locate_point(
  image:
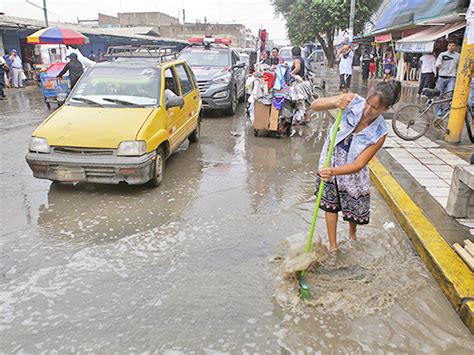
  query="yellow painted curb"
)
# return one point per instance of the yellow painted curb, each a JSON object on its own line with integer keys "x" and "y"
{"x": 449, "y": 271}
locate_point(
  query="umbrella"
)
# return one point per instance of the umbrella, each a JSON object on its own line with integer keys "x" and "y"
{"x": 56, "y": 35}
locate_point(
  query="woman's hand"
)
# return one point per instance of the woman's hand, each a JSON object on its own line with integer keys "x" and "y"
{"x": 326, "y": 174}
{"x": 342, "y": 101}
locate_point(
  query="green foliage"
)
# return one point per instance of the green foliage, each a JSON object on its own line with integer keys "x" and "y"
{"x": 307, "y": 20}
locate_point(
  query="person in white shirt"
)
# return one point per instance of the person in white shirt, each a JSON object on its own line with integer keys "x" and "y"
{"x": 17, "y": 69}
{"x": 447, "y": 64}
{"x": 428, "y": 72}
{"x": 345, "y": 56}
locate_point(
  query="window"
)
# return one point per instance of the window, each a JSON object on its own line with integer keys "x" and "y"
{"x": 170, "y": 81}
{"x": 184, "y": 80}
{"x": 235, "y": 58}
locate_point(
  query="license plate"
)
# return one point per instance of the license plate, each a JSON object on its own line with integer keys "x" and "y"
{"x": 70, "y": 174}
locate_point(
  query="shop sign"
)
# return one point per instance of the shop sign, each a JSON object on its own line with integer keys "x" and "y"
{"x": 415, "y": 47}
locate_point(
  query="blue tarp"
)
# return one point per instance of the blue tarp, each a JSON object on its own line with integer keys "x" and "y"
{"x": 406, "y": 12}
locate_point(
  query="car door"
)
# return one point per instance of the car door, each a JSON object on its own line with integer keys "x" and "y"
{"x": 239, "y": 73}
{"x": 191, "y": 99}
{"x": 174, "y": 114}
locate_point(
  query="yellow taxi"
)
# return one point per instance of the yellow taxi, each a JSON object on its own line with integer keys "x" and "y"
{"x": 120, "y": 123}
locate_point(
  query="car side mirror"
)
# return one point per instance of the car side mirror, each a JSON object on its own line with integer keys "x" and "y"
{"x": 175, "y": 101}
{"x": 239, "y": 66}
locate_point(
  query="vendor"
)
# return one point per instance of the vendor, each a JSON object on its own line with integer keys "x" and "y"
{"x": 275, "y": 58}
{"x": 75, "y": 69}
{"x": 361, "y": 134}
{"x": 298, "y": 63}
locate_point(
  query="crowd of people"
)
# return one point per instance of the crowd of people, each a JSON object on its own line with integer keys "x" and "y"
{"x": 428, "y": 69}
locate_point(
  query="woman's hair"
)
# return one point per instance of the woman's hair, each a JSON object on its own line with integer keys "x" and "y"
{"x": 296, "y": 51}
{"x": 387, "y": 91}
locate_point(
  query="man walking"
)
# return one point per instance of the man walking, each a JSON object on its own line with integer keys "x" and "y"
{"x": 428, "y": 72}
{"x": 345, "y": 56}
{"x": 447, "y": 64}
{"x": 3, "y": 64}
{"x": 17, "y": 69}
{"x": 75, "y": 68}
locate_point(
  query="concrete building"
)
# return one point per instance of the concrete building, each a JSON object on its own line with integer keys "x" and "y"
{"x": 132, "y": 19}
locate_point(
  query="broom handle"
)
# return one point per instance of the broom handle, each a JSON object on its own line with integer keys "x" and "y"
{"x": 321, "y": 184}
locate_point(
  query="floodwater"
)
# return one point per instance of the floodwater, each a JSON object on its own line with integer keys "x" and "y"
{"x": 189, "y": 267}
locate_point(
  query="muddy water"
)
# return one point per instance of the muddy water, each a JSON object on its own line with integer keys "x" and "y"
{"x": 187, "y": 267}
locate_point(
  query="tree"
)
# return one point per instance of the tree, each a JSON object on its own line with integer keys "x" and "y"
{"x": 307, "y": 20}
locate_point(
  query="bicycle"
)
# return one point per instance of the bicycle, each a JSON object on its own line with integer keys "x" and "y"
{"x": 411, "y": 122}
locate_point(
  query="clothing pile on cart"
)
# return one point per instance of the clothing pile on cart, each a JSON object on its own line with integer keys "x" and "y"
{"x": 275, "y": 86}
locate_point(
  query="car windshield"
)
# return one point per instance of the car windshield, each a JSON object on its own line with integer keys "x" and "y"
{"x": 206, "y": 57}
{"x": 116, "y": 86}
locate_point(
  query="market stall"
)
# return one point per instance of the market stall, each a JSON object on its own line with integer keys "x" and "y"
{"x": 277, "y": 99}
{"x": 55, "y": 89}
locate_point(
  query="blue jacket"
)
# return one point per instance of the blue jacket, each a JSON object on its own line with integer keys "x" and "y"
{"x": 363, "y": 139}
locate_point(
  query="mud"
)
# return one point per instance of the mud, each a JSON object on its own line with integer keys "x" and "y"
{"x": 186, "y": 268}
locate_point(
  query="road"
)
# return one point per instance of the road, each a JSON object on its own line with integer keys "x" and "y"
{"x": 187, "y": 267}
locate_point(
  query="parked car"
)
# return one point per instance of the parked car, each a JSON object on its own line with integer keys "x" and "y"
{"x": 120, "y": 123}
{"x": 219, "y": 70}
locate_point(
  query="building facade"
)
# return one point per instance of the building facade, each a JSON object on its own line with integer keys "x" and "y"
{"x": 132, "y": 19}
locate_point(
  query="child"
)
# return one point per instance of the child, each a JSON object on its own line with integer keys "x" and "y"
{"x": 361, "y": 134}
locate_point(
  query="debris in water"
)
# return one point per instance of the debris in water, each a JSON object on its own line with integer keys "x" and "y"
{"x": 388, "y": 225}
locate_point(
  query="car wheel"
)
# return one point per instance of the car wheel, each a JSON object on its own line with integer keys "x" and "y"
{"x": 159, "y": 168}
{"x": 194, "y": 137}
{"x": 233, "y": 103}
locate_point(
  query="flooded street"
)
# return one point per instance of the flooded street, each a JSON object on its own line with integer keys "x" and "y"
{"x": 187, "y": 267}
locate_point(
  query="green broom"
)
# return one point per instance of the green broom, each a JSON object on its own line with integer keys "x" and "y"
{"x": 305, "y": 291}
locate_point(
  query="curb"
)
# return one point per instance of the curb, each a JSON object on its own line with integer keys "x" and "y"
{"x": 449, "y": 271}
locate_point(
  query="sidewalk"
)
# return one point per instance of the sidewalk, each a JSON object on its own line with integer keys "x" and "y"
{"x": 415, "y": 177}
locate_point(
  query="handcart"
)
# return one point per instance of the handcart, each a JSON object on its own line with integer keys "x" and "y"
{"x": 55, "y": 90}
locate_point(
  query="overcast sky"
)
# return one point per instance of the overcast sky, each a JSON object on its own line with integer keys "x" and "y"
{"x": 253, "y": 14}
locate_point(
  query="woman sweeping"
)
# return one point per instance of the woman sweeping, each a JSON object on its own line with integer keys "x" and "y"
{"x": 361, "y": 134}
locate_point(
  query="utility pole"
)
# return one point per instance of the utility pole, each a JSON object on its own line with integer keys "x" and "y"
{"x": 42, "y": 8}
{"x": 351, "y": 20}
{"x": 45, "y": 14}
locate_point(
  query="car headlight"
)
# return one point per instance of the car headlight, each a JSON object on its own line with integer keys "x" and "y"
{"x": 223, "y": 79}
{"x": 131, "y": 148}
{"x": 39, "y": 145}
{"x": 221, "y": 94}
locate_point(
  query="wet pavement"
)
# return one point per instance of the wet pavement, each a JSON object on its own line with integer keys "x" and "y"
{"x": 187, "y": 267}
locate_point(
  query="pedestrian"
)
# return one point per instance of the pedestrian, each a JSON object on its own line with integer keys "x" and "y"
{"x": 428, "y": 72}
{"x": 415, "y": 62}
{"x": 361, "y": 134}
{"x": 388, "y": 63}
{"x": 372, "y": 66}
{"x": 92, "y": 56}
{"x": 17, "y": 69}
{"x": 298, "y": 63}
{"x": 406, "y": 66}
{"x": 3, "y": 65}
{"x": 365, "y": 64}
{"x": 345, "y": 56}
{"x": 447, "y": 64}
{"x": 75, "y": 69}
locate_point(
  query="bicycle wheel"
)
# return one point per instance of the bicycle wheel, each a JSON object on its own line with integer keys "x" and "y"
{"x": 469, "y": 124}
{"x": 410, "y": 122}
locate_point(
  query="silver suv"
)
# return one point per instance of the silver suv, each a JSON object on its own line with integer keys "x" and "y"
{"x": 220, "y": 74}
